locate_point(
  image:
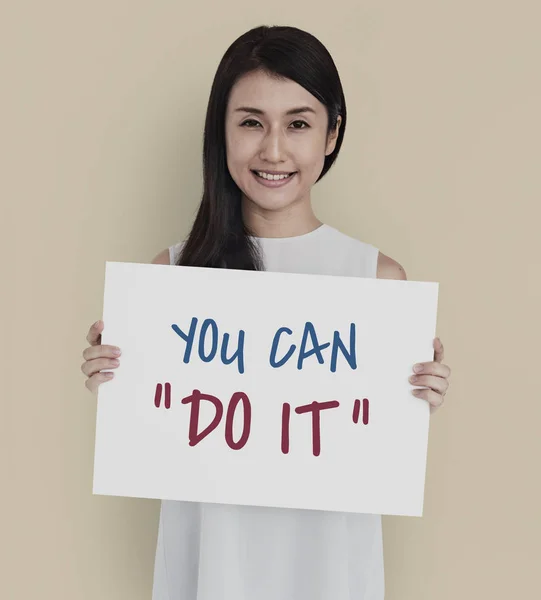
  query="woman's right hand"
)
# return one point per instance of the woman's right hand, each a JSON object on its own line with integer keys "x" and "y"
{"x": 98, "y": 357}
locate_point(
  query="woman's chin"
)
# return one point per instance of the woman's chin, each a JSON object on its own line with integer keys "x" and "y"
{"x": 271, "y": 201}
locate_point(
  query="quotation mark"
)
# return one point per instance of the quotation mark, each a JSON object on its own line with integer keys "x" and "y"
{"x": 357, "y": 410}
{"x": 158, "y": 395}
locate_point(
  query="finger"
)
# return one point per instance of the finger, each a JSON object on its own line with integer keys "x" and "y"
{"x": 90, "y": 367}
{"x": 101, "y": 351}
{"x": 92, "y": 383}
{"x": 433, "y": 368}
{"x": 94, "y": 333}
{"x": 438, "y": 350}
{"x": 433, "y": 398}
{"x": 438, "y": 384}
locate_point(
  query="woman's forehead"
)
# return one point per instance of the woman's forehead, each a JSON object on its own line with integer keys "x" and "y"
{"x": 270, "y": 95}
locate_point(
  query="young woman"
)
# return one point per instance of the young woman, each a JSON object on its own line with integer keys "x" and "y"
{"x": 274, "y": 126}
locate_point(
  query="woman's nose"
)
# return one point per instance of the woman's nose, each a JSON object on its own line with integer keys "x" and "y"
{"x": 272, "y": 147}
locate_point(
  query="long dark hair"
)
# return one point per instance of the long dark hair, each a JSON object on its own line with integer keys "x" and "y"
{"x": 219, "y": 236}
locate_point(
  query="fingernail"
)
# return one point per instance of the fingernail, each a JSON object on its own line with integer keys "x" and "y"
{"x": 97, "y": 323}
{"x": 117, "y": 351}
{"x": 418, "y": 368}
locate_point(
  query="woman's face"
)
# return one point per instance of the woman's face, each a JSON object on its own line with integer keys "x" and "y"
{"x": 265, "y": 137}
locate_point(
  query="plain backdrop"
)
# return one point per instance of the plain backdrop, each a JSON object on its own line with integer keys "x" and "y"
{"x": 102, "y": 110}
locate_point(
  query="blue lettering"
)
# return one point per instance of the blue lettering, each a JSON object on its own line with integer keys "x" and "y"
{"x": 275, "y": 342}
{"x": 202, "y": 337}
{"x": 187, "y": 338}
{"x": 316, "y": 348}
{"x": 337, "y": 343}
{"x": 239, "y": 354}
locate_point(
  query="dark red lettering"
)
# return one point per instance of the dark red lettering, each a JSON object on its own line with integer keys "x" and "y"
{"x": 235, "y": 399}
{"x": 365, "y": 411}
{"x": 286, "y": 412}
{"x": 195, "y": 400}
{"x": 158, "y": 395}
{"x": 315, "y": 408}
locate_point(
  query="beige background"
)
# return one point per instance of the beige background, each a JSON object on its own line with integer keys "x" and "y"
{"x": 102, "y": 112}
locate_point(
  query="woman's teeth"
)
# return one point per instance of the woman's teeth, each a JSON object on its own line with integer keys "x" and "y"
{"x": 272, "y": 177}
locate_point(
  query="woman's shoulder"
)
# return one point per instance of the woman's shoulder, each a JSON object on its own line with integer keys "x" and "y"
{"x": 162, "y": 258}
{"x": 389, "y": 268}
{"x": 168, "y": 256}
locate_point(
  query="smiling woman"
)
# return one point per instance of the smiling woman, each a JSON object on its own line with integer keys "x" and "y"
{"x": 274, "y": 127}
{"x": 283, "y": 145}
{"x": 276, "y": 107}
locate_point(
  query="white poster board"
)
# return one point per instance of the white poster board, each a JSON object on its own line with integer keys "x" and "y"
{"x": 264, "y": 388}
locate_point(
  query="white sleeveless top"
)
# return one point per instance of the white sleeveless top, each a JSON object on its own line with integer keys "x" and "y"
{"x": 231, "y": 552}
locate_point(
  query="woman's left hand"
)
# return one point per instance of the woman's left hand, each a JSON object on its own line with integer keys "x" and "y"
{"x": 434, "y": 375}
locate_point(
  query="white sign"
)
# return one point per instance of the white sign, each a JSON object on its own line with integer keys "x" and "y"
{"x": 264, "y": 388}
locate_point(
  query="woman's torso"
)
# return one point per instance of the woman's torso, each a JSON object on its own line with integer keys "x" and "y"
{"x": 234, "y": 552}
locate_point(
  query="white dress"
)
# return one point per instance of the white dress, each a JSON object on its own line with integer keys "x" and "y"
{"x": 231, "y": 552}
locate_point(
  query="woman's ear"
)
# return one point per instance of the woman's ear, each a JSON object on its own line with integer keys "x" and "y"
{"x": 332, "y": 137}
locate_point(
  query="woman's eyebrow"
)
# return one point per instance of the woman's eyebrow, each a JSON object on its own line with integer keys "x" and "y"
{"x": 258, "y": 111}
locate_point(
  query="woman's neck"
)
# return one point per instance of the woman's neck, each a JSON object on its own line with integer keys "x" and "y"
{"x": 289, "y": 222}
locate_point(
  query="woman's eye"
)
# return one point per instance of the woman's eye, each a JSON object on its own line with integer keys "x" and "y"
{"x": 257, "y": 123}
{"x": 248, "y": 121}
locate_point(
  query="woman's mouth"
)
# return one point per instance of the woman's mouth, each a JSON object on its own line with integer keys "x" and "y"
{"x": 273, "y": 183}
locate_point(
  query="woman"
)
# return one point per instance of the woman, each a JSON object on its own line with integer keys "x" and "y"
{"x": 274, "y": 126}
